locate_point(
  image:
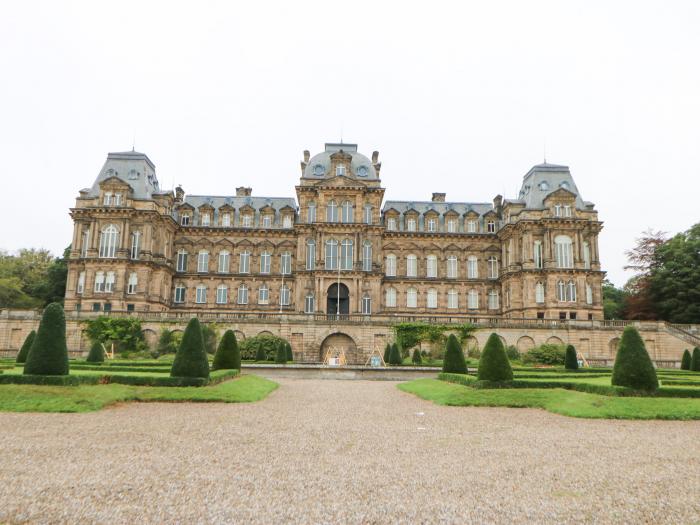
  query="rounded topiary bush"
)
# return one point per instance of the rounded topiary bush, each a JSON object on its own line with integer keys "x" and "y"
{"x": 695, "y": 360}
{"x": 417, "y": 359}
{"x": 261, "y": 354}
{"x": 686, "y": 360}
{"x": 281, "y": 354}
{"x": 96, "y": 354}
{"x": 454, "y": 362}
{"x": 228, "y": 356}
{"x": 633, "y": 367}
{"x": 395, "y": 355}
{"x": 494, "y": 364}
{"x": 290, "y": 354}
{"x": 570, "y": 359}
{"x": 387, "y": 351}
{"x": 48, "y": 354}
{"x": 191, "y": 358}
{"x": 24, "y": 351}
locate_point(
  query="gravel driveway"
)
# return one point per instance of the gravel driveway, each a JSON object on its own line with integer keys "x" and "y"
{"x": 344, "y": 451}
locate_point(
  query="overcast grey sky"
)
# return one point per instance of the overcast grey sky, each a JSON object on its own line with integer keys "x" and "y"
{"x": 459, "y": 97}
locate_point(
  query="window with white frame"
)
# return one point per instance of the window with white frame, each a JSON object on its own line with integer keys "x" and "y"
{"x": 185, "y": 219}
{"x": 85, "y": 243}
{"x": 391, "y": 224}
{"x": 561, "y": 291}
{"x": 563, "y": 250}
{"x": 432, "y": 224}
{"x": 539, "y": 293}
{"x": 537, "y": 254}
{"x": 340, "y": 170}
{"x": 589, "y": 294}
{"x": 247, "y": 220}
{"x": 265, "y": 262}
{"x": 110, "y": 279}
{"x": 567, "y": 210}
{"x": 117, "y": 199}
{"x": 493, "y": 300}
{"x": 586, "y": 255}
{"x": 571, "y": 291}
{"x": 491, "y": 226}
{"x": 221, "y": 294}
{"x": 431, "y": 266}
{"x": 366, "y": 304}
{"x": 242, "y": 294}
{"x": 472, "y": 226}
{"x": 224, "y": 261}
{"x": 179, "y": 293}
{"x": 286, "y": 263}
{"x": 557, "y": 210}
{"x": 332, "y": 212}
{"x": 347, "y": 211}
{"x": 493, "y": 267}
{"x": 132, "y": 283}
{"x": 452, "y": 268}
{"x": 244, "y": 262}
{"x": 451, "y": 225}
{"x": 203, "y": 261}
{"x": 311, "y": 213}
{"x": 226, "y": 220}
{"x": 107, "y": 198}
{"x": 284, "y": 295}
{"x": 205, "y": 219}
{"x": 472, "y": 267}
{"x": 309, "y": 304}
{"x": 432, "y": 298}
{"x": 452, "y": 299}
{"x": 310, "y": 254}
{"x": 331, "y": 254}
{"x": 473, "y": 300}
{"x": 411, "y": 266}
{"x": 346, "y": 256}
{"x": 390, "y": 297}
{"x": 368, "y": 214}
{"x": 287, "y": 221}
{"x": 367, "y": 256}
{"x": 267, "y": 221}
{"x": 200, "y": 294}
{"x": 80, "y": 288}
{"x": 135, "y": 245}
{"x": 411, "y": 298}
{"x": 108, "y": 242}
{"x": 181, "y": 261}
{"x": 263, "y": 294}
{"x": 411, "y": 224}
{"x": 391, "y": 265}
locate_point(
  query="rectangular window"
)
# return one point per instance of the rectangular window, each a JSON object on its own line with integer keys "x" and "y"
{"x": 310, "y": 255}
{"x": 243, "y": 295}
{"x": 491, "y": 227}
{"x": 431, "y": 267}
{"x": 493, "y": 268}
{"x": 284, "y": 296}
{"x": 95, "y": 307}
{"x": 286, "y": 263}
{"x": 311, "y": 213}
{"x": 265, "y": 262}
{"x": 244, "y": 263}
{"x": 205, "y": 219}
{"x": 567, "y": 211}
{"x": 411, "y": 298}
{"x": 539, "y": 293}
{"x": 366, "y": 305}
{"x": 346, "y": 255}
{"x": 452, "y": 267}
{"x": 452, "y": 299}
{"x": 391, "y": 224}
{"x": 107, "y": 200}
{"x": 267, "y": 221}
{"x": 471, "y": 226}
{"x": 537, "y": 254}
{"x": 309, "y": 306}
{"x": 367, "y": 257}
{"x": 185, "y": 220}
{"x": 226, "y": 220}
{"x": 472, "y": 268}
{"x": 179, "y": 294}
{"x": 201, "y": 296}
{"x": 263, "y": 295}
{"x": 432, "y": 225}
{"x": 432, "y": 299}
{"x": 331, "y": 255}
{"x": 224, "y": 262}
{"x": 287, "y": 221}
{"x": 203, "y": 262}
{"x": 411, "y": 266}
{"x": 181, "y": 261}
{"x": 493, "y": 300}
{"x": 451, "y": 226}
{"x": 391, "y": 297}
{"x": 133, "y": 282}
{"x": 109, "y": 282}
{"x": 368, "y": 214}
{"x": 586, "y": 255}
{"x": 473, "y": 300}
{"x": 135, "y": 242}
{"x": 411, "y": 225}
{"x": 247, "y": 221}
{"x": 129, "y": 307}
{"x": 81, "y": 283}
{"x": 85, "y": 245}
{"x": 391, "y": 266}
{"x": 108, "y": 307}
{"x": 117, "y": 199}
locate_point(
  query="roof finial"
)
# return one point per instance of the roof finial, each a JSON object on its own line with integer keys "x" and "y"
{"x": 341, "y": 131}
{"x": 133, "y": 143}
{"x": 544, "y": 150}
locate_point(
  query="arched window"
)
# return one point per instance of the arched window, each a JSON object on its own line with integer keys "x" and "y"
{"x": 310, "y": 254}
{"x": 331, "y": 254}
{"x": 539, "y": 293}
{"x": 346, "y": 254}
{"x": 221, "y": 294}
{"x": 544, "y": 186}
{"x": 348, "y": 215}
{"x": 108, "y": 242}
{"x": 491, "y": 227}
{"x": 133, "y": 282}
{"x": 265, "y": 262}
{"x": 493, "y": 267}
{"x": 309, "y": 304}
{"x": 286, "y": 263}
{"x": 472, "y": 267}
{"x": 452, "y": 269}
{"x": 263, "y": 294}
{"x": 224, "y": 261}
{"x": 411, "y": 266}
{"x": 332, "y": 212}
{"x": 473, "y": 300}
{"x": 201, "y": 295}
{"x": 589, "y": 294}
{"x": 432, "y": 298}
{"x": 284, "y": 295}
{"x": 85, "y": 243}
{"x": 391, "y": 265}
{"x": 571, "y": 291}
{"x": 243, "y": 294}
{"x": 452, "y": 299}
{"x": 203, "y": 261}
{"x": 366, "y": 304}
{"x": 561, "y": 291}
{"x": 537, "y": 254}
{"x": 411, "y": 298}
{"x": 179, "y": 293}
{"x": 367, "y": 256}
{"x": 181, "y": 261}
{"x": 563, "y": 251}
{"x": 311, "y": 212}
{"x": 368, "y": 214}
{"x": 493, "y": 300}
{"x": 135, "y": 245}
{"x": 390, "y": 297}
{"x": 244, "y": 262}
{"x": 431, "y": 266}
{"x": 586, "y": 255}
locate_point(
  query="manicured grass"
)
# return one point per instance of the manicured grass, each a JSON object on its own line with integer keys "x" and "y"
{"x": 559, "y": 401}
{"x": 35, "y": 398}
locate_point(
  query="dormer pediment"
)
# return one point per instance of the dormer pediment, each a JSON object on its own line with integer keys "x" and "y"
{"x": 246, "y": 209}
{"x": 185, "y": 206}
{"x": 561, "y": 194}
{"x": 115, "y": 182}
{"x": 471, "y": 214}
{"x": 340, "y": 181}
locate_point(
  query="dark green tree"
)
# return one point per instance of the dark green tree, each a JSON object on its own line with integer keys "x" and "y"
{"x": 633, "y": 367}
{"x": 686, "y": 360}
{"x": 261, "y": 354}
{"x": 281, "y": 355}
{"x": 387, "y": 351}
{"x": 227, "y": 356}
{"x": 48, "y": 354}
{"x": 209, "y": 337}
{"x": 24, "y": 351}
{"x": 96, "y": 354}
{"x": 494, "y": 364}
{"x": 395, "y": 355}
{"x": 613, "y": 301}
{"x": 695, "y": 360}
{"x": 290, "y": 354}
{"x": 417, "y": 359}
{"x": 454, "y": 362}
{"x": 570, "y": 360}
{"x": 167, "y": 342}
{"x": 191, "y": 358}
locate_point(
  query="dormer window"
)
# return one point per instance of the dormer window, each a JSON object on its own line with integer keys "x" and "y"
{"x": 432, "y": 225}
{"x": 557, "y": 210}
{"x": 267, "y": 221}
{"x": 206, "y": 219}
{"x": 226, "y": 220}
{"x": 117, "y": 199}
{"x": 564, "y": 185}
{"x": 567, "y": 211}
{"x": 185, "y": 220}
{"x": 362, "y": 171}
{"x": 471, "y": 226}
{"x": 491, "y": 226}
{"x": 451, "y": 226}
{"x": 391, "y": 224}
{"x": 107, "y": 199}
{"x": 544, "y": 186}
{"x": 287, "y": 221}
{"x": 319, "y": 170}
{"x": 339, "y": 170}
{"x": 247, "y": 221}
{"x": 411, "y": 225}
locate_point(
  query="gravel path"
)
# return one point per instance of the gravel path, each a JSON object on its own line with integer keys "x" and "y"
{"x": 344, "y": 451}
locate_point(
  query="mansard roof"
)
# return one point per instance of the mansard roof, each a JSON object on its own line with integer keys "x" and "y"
{"x": 132, "y": 167}
{"x": 440, "y": 207}
{"x": 319, "y": 166}
{"x": 544, "y": 179}
{"x": 217, "y": 201}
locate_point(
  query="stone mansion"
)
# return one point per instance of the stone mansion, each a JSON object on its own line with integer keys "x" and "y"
{"x": 339, "y": 248}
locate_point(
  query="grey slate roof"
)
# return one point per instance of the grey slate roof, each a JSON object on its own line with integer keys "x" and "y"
{"x": 440, "y": 207}
{"x": 324, "y": 160}
{"x": 217, "y": 201}
{"x": 533, "y": 192}
{"x": 132, "y": 167}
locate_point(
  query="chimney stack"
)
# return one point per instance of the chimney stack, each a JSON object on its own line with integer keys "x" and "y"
{"x": 179, "y": 194}
{"x": 242, "y": 191}
{"x": 307, "y": 156}
{"x": 439, "y": 197}
{"x": 375, "y": 157}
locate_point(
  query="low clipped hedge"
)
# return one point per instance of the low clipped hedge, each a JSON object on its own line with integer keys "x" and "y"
{"x": 215, "y": 377}
{"x": 164, "y": 369}
{"x": 460, "y": 379}
{"x": 30, "y": 379}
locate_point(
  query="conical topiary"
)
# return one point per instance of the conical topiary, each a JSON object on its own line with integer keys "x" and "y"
{"x": 633, "y": 367}
{"x": 290, "y": 355}
{"x": 454, "y": 362}
{"x": 96, "y": 354}
{"x": 228, "y": 356}
{"x": 695, "y": 360}
{"x": 387, "y": 351}
{"x": 395, "y": 355}
{"x": 24, "y": 351}
{"x": 685, "y": 360}
{"x": 281, "y": 355}
{"x": 494, "y": 364}
{"x": 570, "y": 359}
{"x": 191, "y": 357}
{"x": 48, "y": 354}
{"x": 416, "y": 358}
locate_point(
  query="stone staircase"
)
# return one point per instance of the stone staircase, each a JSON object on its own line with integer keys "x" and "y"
{"x": 681, "y": 332}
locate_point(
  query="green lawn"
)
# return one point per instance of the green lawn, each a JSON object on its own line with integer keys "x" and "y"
{"x": 35, "y": 398}
{"x": 559, "y": 401}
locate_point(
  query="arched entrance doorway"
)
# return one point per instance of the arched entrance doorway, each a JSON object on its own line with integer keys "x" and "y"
{"x": 344, "y": 342}
{"x": 338, "y": 299}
